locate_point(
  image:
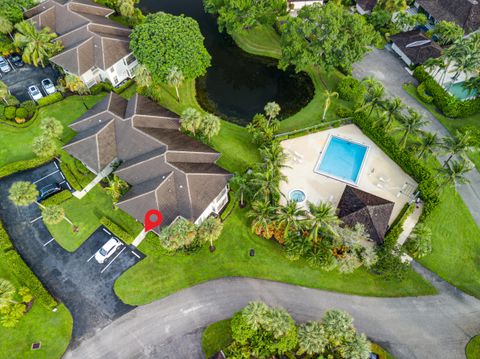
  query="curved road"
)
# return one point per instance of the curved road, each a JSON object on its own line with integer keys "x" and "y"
{"x": 415, "y": 327}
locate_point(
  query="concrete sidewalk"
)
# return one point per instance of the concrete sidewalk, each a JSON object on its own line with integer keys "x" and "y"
{"x": 100, "y": 176}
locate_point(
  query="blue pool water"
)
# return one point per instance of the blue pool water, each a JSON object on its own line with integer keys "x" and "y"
{"x": 460, "y": 91}
{"x": 297, "y": 195}
{"x": 342, "y": 159}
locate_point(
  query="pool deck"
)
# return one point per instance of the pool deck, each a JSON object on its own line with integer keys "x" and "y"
{"x": 379, "y": 174}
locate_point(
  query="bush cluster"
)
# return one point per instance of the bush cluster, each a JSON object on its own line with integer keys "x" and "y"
{"x": 57, "y": 198}
{"x": 13, "y": 167}
{"x": 350, "y": 89}
{"x": 10, "y": 257}
{"x": 116, "y": 230}
{"x": 48, "y": 100}
{"x": 69, "y": 176}
{"x": 26, "y": 110}
{"x": 10, "y": 112}
{"x": 427, "y": 185}
{"x": 448, "y": 104}
{"x": 107, "y": 87}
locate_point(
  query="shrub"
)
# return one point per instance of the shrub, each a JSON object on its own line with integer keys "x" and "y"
{"x": 2, "y": 112}
{"x": 422, "y": 94}
{"x": 21, "y": 113}
{"x": 117, "y": 230}
{"x": 343, "y": 112}
{"x": 420, "y": 241}
{"x": 70, "y": 177}
{"x": 397, "y": 227}
{"x": 57, "y": 198}
{"x": 48, "y": 100}
{"x": 350, "y": 89}
{"x": 22, "y": 165}
{"x": 10, "y": 112}
{"x": 30, "y": 107}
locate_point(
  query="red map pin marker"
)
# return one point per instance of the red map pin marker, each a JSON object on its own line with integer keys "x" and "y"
{"x": 153, "y": 218}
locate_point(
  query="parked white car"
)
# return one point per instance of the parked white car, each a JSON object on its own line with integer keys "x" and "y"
{"x": 4, "y": 66}
{"x": 34, "y": 93}
{"x": 48, "y": 86}
{"x": 107, "y": 250}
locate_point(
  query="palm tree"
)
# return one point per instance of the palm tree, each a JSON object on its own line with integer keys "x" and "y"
{"x": 210, "y": 230}
{"x": 54, "y": 215}
{"x": 322, "y": 220}
{"x": 262, "y": 213}
{"x": 175, "y": 78}
{"x": 329, "y": 95}
{"x": 75, "y": 84}
{"x": 241, "y": 184}
{"x": 272, "y": 110}
{"x": 50, "y": 126}
{"x": 23, "y": 193}
{"x": 374, "y": 94}
{"x": 4, "y": 93}
{"x": 279, "y": 322}
{"x": 37, "y": 45}
{"x": 191, "y": 120}
{"x": 429, "y": 143}
{"x": 311, "y": 338}
{"x": 143, "y": 78}
{"x": 44, "y": 146}
{"x": 461, "y": 143}
{"x": 115, "y": 187}
{"x": 210, "y": 126}
{"x": 473, "y": 85}
{"x": 393, "y": 107}
{"x": 267, "y": 184}
{"x": 289, "y": 216}
{"x": 274, "y": 156}
{"x": 6, "y": 26}
{"x": 410, "y": 125}
{"x": 454, "y": 173}
{"x": 7, "y": 293}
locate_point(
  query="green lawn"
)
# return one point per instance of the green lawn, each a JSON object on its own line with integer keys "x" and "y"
{"x": 161, "y": 274}
{"x": 216, "y": 337}
{"x": 473, "y": 348}
{"x": 16, "y": 141}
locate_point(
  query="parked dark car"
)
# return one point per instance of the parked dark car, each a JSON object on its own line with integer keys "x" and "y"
{"x": 16, "y": 59}
{"x": 49, "y": 190}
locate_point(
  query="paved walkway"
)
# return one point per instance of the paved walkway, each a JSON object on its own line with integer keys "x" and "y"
{"x": 139, "y": 238}
{"x": 388, "y": 69}
{"x": 410, "y": 223}
{"x": 413, "y": 327}
{"x": 100, "y": 176}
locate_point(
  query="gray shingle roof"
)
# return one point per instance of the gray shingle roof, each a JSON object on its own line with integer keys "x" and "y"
{"x": 418, "y": 47}
{"x": 466, "y": 13}
{"x": 167, "y": 169}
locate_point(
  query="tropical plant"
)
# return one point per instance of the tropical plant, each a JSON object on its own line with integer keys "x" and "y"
{"x": 10, "y": 309}
{"x": 311, "y": 338}
{"x": 23, "y": 193}
{"x": 210, "y": 230}
{"x": 75, "y": 84}
{"x": 329, "y": 95}
{"x": 142, "y": 76}
{"x": 274, "y": 157}
{"x": 125, "y": 7}
{"x": 44, "y": 146}
{"x": 175, "y": 78}
{"x": 191, "y": 120}
{"x": 37, "y": 45}
{"x": 289, "y": 216}
{"x": 461, "y": 143}
{"x": 50, "y": 126}
{"x": 266, "y": 183}
{"x": 447, "y": 32}
{"x": 454, "y": 173}
{"x": 242, "y": 189}
{"x": 391, "y": 5}
{"x": 322, "y": 220}
{"x": 116, "y": 187}
{"x": 4, "y": 93}
{"x": 410, "y": 124}
{"x": 473, "y": 85}
{"x": 210, "y": 126}
{"x": 419, "y": 243}
{"x": 262, "y": 129}
{"x": 272, "y": 110}
{"x": 6, "y": 26}
{"x": 262, "y": 213}
{"x": 429, "y": 144}
{"x": 404, "y": 21}
{"x": 393, "y": 108}
{"x": 7, "y": 292}
{"x": 373, "y": 95}
{"x": 179, "y": 235}
{"x": 53, "y": 214}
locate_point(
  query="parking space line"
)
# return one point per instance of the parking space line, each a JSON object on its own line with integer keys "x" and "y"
{"x": 61, "y": 174}
{"x": 68, "y": 184}
{"x": 113, "y": 260}
{"x": 106, "y": 231}
{"x": 55, "y": 163}
{"x": 51, "y": 174}
{"x": 135, "y": 254}
{"x": 93, "y": 255}
{"x": 36, "y": 219}
{"x": 48, "y": 242}
{"x": 63, "y": 182}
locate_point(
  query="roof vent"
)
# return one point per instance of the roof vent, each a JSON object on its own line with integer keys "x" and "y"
{"x": 418, "y": 43}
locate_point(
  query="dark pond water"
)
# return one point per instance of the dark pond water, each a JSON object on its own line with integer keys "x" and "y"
{"x": 237, "y": 85}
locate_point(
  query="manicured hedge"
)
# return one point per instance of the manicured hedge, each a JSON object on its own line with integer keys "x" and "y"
{"x": 350, "y": 89}
{"x": 9, "y": 112}
{"x": 22, "y": 165}
{"x": 17, "y": 266}
{"x": 397, "y": 227}
{"x": 448, "y": 104}
{"x": 30, "y": 106}
{"x": 21, "y": 113}
{"x": 427, "y": 185}
{"x": 70, "y": 177}
{"x": 422, "y": 93}
{"x": 48, "y": 100}
{"x": 107, "y": 87}
{"x": 117, "y": 230}
{"x": 58, "y": 198}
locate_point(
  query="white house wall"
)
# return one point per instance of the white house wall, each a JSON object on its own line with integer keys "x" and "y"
{"x": 299, "y": 4}
{"x": 401, "y": 54}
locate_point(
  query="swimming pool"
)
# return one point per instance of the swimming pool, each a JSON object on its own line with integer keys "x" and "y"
{"x": 342, "y": 159}
{"x": 460, "y": 91}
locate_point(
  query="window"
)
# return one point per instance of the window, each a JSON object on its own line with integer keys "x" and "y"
{"x": 115, "y": 80}
{"x": 112, "y": 69}
{"x": 130, "y": 59}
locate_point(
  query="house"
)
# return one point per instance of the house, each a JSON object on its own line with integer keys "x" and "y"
{"x": 465, "y": 13}
{"x": 95, "y": 48}
{"x": 298, "y": 4}
{"x": 373, "y": 212}
{"x": 365, "y": 6}
{"x": 167, "y": 170}
{"x": 414, "y": 48}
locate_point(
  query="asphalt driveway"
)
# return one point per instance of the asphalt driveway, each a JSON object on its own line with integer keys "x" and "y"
{"x": 85, "y": 286}
{"x": 19, "y": 78}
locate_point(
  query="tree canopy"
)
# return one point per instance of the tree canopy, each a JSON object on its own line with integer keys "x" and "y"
{"x": 13, "y": 9}
{"x": 327, "y": 36}
{"x": 164, "y": 41}
{"x": 238, "y": 15}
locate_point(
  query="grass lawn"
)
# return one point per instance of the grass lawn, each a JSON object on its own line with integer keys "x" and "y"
{"x": 216, "y": 337}
{"x": 161, "y": 274}
{"x": 40, "y": 324}
{"x": 472, "y": 350}
{"x": 86, "y": 214}
{"x": 16, "y": 141}
{"x": 451, "y": 124}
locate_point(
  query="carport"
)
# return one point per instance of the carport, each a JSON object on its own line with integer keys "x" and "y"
{"x": 85, "y": 286}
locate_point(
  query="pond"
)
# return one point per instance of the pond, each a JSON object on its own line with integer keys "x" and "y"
{"x": 237, "y": 85}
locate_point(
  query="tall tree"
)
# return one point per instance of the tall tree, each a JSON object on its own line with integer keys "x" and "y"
{"x": 322, "y": 220}
{"x": 142, "y": 76}
{"x": 4, "y": 93}
{"x": 191, "y": 120}
{"x": 429, "y": 144}
{"x": 453, "y": 173}
{"x": 274, "y": 157}
{"x": 210, "y": 126}
{"x": 459, "y": 144}
{"x": 115, "y": 187}
{"x": 262, "y": 213}
{"x": 267, "y": 183}
{"x": 329, "y": 95}
{"x": 241, "y": 187}
{"x": 50, "y": 126}
{"x": 44, "y": 146}
{"x": 53, "y": 214}
{"x": 37, "y": 45}
{"x": 373, "y": 96}
{"x": 239, "y": 15}
{"x": 175, "y": 78}
{"x": 272, "y": 110}
{"x": 317, "y": 37}
{"x": 6, "y": 26}
{"x": 447, "y": 32}
{"x": 23, "y": 193}
{"x": 210, "y": 230}
{"x": 179, "y": 235}
{"x": 420, "y": 241}
{"x": 289, "y": 216}
{"x": 164, "y": 41}
{"x": 411, "y": 124}
{"x": 393, "y": 107}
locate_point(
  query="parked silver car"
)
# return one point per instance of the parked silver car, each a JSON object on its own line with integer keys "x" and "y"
{"x": 4, "y": 66}
{"x": 48, "y": 86}
{"x": 107, "y": 250}
{"x": 34, "y": 93}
